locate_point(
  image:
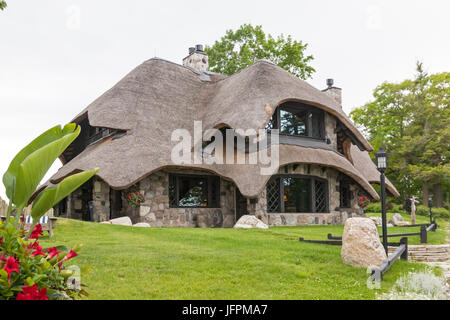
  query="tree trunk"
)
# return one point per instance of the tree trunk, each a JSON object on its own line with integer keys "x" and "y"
{"x": 438, "y": 196}
{"x": 425, "y": 194}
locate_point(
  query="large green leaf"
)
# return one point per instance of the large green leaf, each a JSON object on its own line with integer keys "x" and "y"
{"x": 48, "y": 198}
{"x": 31, "y": 164}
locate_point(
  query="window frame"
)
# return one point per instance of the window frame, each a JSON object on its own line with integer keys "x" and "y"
{"x": 345, "y": 184}
{"x": 275, "y": 121}
{"x": 312, "y": 192}
{"x": 210, "y": 180}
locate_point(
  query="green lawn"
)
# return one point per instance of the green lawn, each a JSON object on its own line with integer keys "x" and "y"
{"x": 437, "y": 237}
{"x": 183, "y": 263}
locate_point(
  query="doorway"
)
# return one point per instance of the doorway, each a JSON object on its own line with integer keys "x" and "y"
{"x": 115, "y": 198}
{"x": 241, "y": 205}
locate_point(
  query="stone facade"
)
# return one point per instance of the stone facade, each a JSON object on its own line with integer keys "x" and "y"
{"x": 330, "y": 125}
{"x": 100, "y": 192}
{"x": 336, "y": 216}
{"x": 157, "y": 212}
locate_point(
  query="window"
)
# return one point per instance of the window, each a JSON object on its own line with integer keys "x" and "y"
{"x": 97, "y": 133}
{"x": 344, "y": 194}
{"x": 295, "y": 119}
{"x": 295, "y": 193}
{"x": 194, "y": 191}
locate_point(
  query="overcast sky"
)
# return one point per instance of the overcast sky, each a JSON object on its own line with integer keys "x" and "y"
{"x": 57, "y": 56}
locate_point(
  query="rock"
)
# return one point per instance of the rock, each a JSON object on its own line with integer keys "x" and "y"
{"x": 105, "y": 222}
{"x": 123, "y": 221}
{"x": 202, "y": 221}
{"x": 248, "y": 221}
{"x": 389, "y": 225}
{"x": 397, "y": 220}
{"x": 144, "y": 210}
{"x": 361, "y": 246}
{"x": 142, "y": 225}
{"x": 377, "y": 220}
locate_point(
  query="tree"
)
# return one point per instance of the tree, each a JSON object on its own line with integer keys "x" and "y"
{"x": 411, "y": 120}
{"x": 2, "y": 4}
{"x": 241, "y": 48}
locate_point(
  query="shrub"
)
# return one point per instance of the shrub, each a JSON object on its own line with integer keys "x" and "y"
{"x": 27, "y": 271}
{"x": 437, "y": 212}
{"x": 417, "y": 286}
{"x": 375, "y": 207}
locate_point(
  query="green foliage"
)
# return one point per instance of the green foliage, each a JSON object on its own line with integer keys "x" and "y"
{"x": 375, "y": 207}
{"x": 43, "y": 270}
{"x": 31, "y": 164}
{"x": 241, "y": 48}
{"x": 436, "y": 212}
{"x": 411, "y": 120}
{"x": 2, "y": 4}
{"x": 36, "y": 273}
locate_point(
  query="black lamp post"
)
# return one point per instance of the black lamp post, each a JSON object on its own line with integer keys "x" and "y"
{"x": 382, "y": 166}
{"x": 430, "y": 204}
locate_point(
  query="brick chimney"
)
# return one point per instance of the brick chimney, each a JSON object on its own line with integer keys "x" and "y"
{"x": 334, "y": 92}
{"x": 197, "y": 59}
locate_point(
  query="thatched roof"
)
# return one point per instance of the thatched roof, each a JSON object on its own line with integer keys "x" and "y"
{"x": 158, "y": 97}
{"x": 365, "y": 165}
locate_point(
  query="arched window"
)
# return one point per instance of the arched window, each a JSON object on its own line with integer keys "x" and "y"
{"x": 297, "y": 119}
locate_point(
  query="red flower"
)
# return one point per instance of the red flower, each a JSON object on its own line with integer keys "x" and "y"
{"x": 33, "y": 246}
{"x": 52, "y": 252}
{"x": 37, "y": 231}
{"x": 70, "y": 255}
{"x": 129, "y": 196}
{"x": 32, "y": 293}
{"x": 11, "y": 265}
{"x": 38, "y": 251}
{"x": 2, "y": 258}
{"x": 1, "y": 241}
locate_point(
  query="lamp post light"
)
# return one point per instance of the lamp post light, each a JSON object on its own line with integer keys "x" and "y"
{"x": 382, "y": 166}
{"x": 430, "y": 204}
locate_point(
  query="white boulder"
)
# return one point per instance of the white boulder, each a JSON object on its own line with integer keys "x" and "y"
{"x": 123, "y": 221}
{"x": 142, "y": 225}
{"x": 376, "y": 220}
{"x": 248, "y": 221}
{"x": 361, "y": 246}
{"x": 397, "y": 220}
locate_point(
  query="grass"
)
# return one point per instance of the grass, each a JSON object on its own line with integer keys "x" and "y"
{"x": 183, "y": 263}
{"x": 437, "y": 237}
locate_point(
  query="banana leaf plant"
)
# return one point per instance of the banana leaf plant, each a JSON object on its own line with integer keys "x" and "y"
{"x": 31, "y": 164}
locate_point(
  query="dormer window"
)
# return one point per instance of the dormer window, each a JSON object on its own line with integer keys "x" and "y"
{"x": 300, "y": 120}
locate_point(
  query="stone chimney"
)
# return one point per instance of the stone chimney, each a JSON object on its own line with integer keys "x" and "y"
{"x": 197, "y": 59}
{"x": 334, "y": 92}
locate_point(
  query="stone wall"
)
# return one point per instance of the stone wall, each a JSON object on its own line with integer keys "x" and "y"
{"x": 336, "y": 216}
{"x": 96, "y": 191}
{"x": 330, "y": 125}
{"x": 157, "y": 212}
{"x": 3, "y": 207}
{"x": 100, "y": 196}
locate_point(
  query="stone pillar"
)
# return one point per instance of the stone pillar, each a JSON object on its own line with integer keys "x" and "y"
{"x": 100, "y": 195}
